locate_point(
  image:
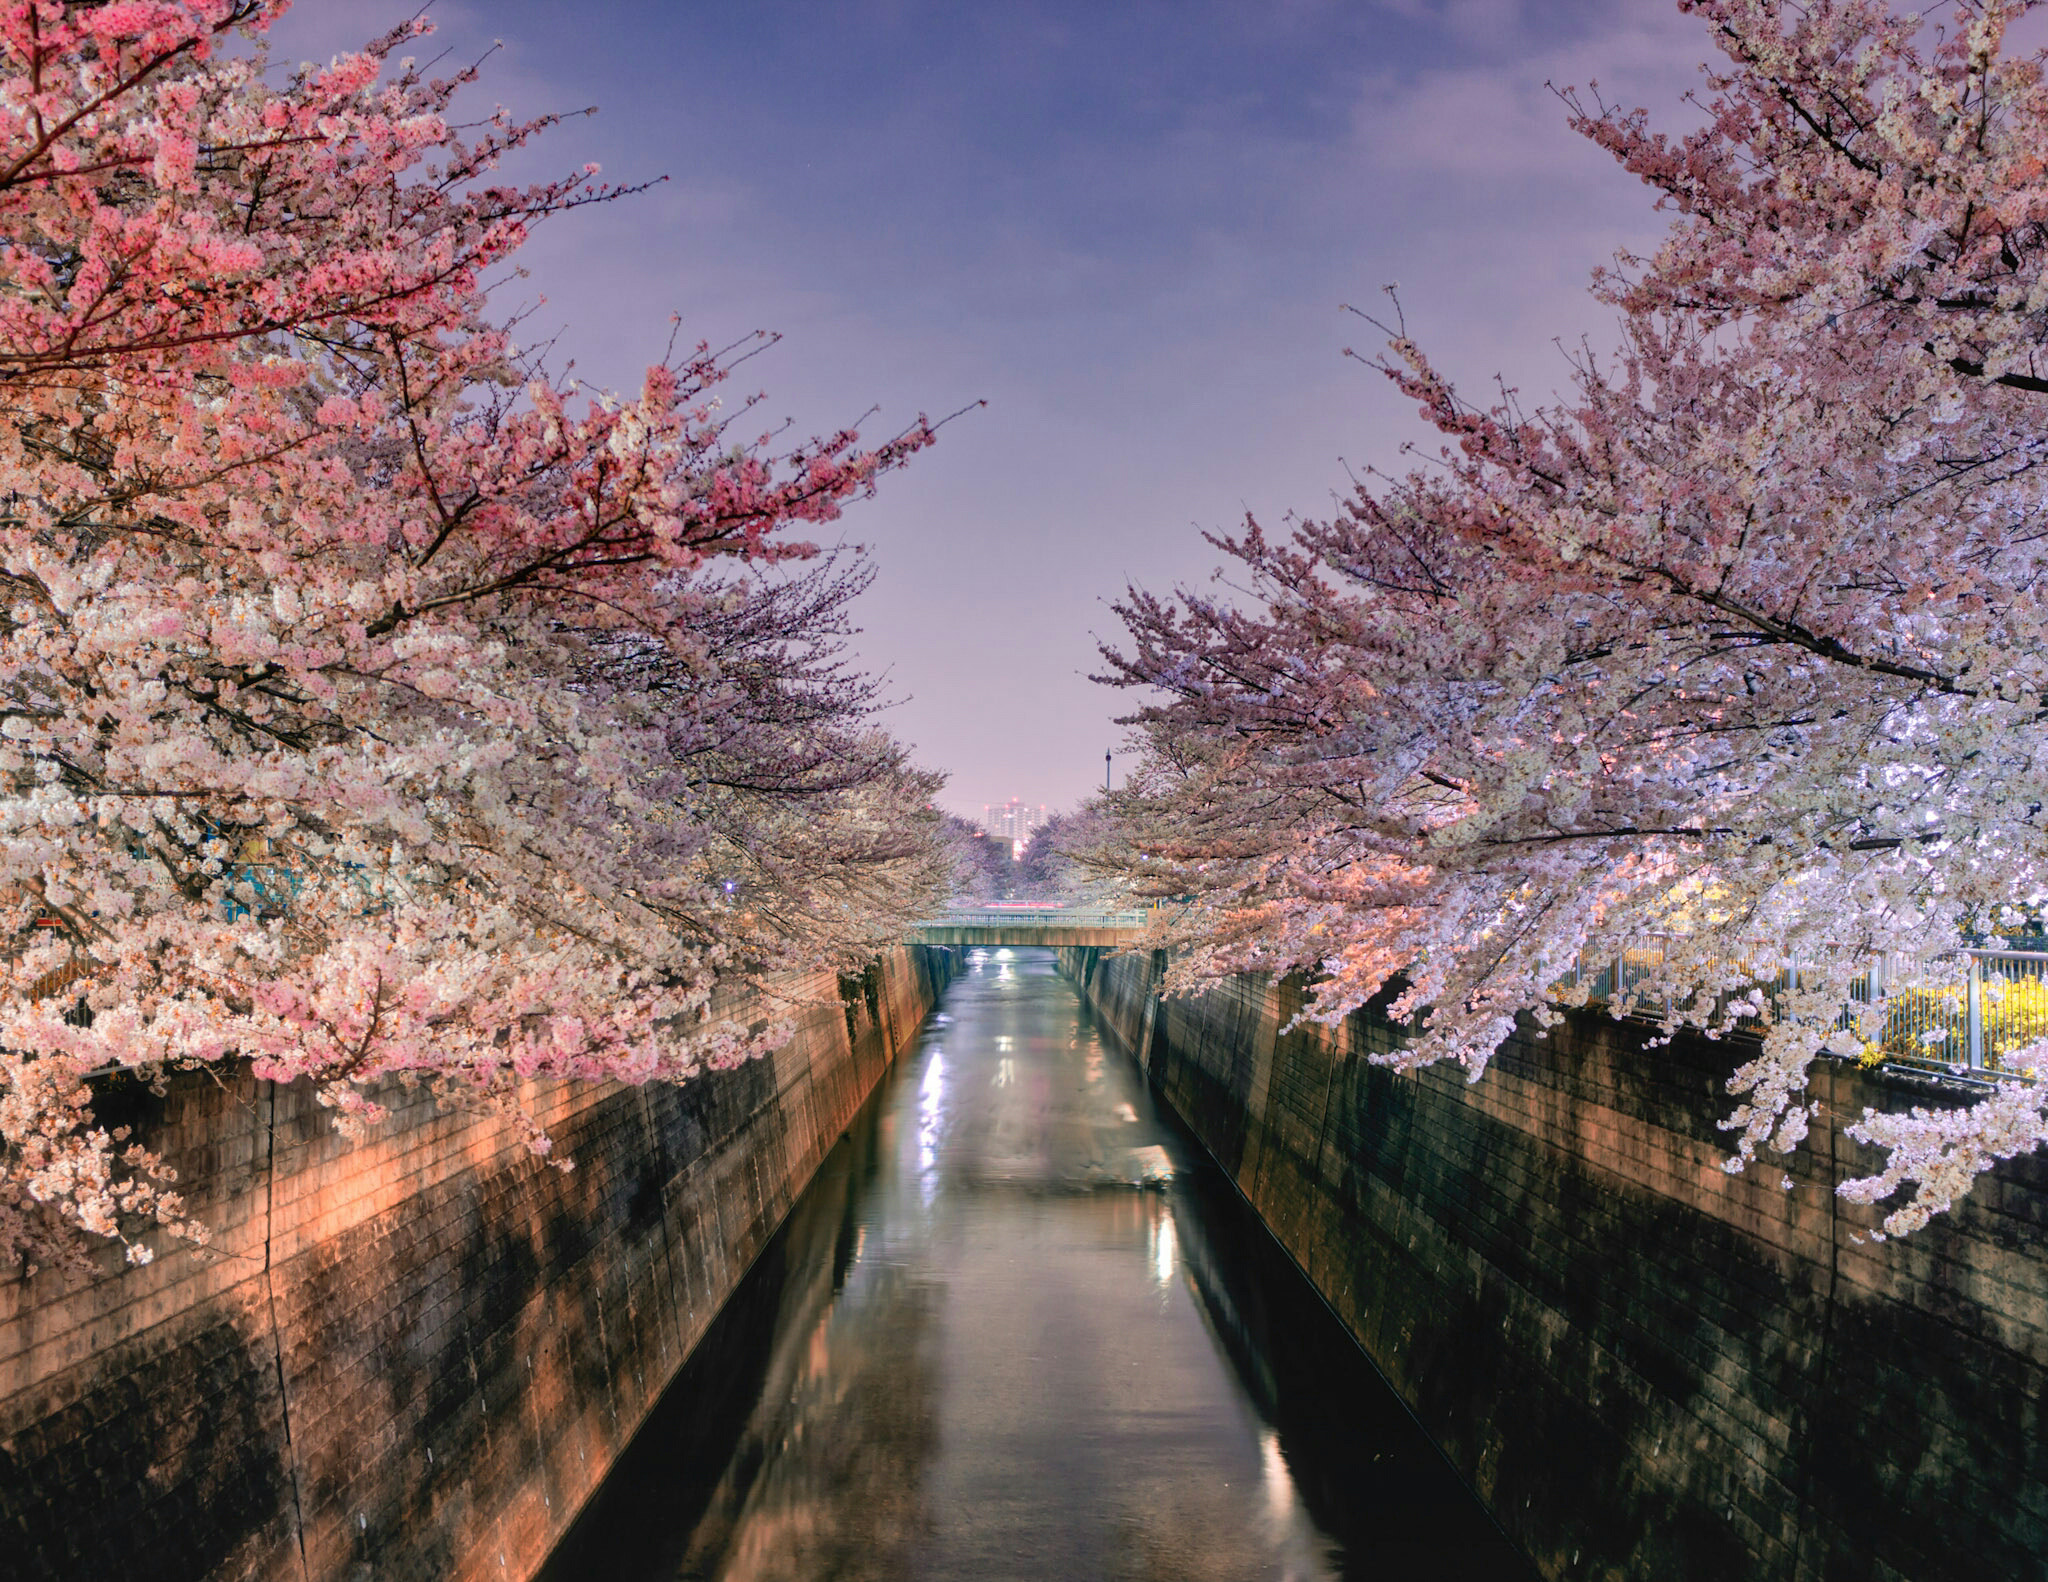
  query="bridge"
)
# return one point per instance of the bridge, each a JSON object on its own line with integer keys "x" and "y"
{"x": 1029, "y": 925}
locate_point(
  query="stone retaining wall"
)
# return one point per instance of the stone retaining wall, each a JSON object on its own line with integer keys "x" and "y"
{"x": 1646, "y": 1367}
{"x": 413, "y": 1357}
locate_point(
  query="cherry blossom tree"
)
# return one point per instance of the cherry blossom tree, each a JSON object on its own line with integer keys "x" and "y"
{"x": 1063, "y": 859}
{"x": 982, "y": 866}
{"x": 373, "y": 704}
{"x": 1739, "y": 645}
{"x": 1041, "y": 867}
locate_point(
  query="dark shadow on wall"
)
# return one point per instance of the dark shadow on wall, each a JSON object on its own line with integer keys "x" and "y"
{"x": 1369, "y": 1474}
{"x": 1479, "y": 1195}
{"x": 407, "y": 1343}
{"x": 1364, "y": 1467}
{"x": 447, "y": 1354}
{"x": 1650, "y": 1369}
{"x": 161, "y": 1474}
{"x": 701, "y": 1453}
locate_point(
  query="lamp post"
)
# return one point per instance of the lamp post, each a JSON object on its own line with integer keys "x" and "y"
{"x": 1105, "y": 771}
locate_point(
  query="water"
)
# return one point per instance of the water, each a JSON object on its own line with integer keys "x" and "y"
{"x": 1018, "y": 1328}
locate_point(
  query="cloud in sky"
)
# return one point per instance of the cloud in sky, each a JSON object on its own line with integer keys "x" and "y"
{"x": 1128, "y": 227}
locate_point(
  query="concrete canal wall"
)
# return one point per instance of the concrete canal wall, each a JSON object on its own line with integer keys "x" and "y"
{"x": 1646, "y": 1367}
{"x": 416, "y": 1356}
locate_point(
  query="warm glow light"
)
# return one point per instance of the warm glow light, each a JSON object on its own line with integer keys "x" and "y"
{"x": 1273, "y": 1473}
{"x": 931, "y": 1099}
{"x": 1163, "y": 1250}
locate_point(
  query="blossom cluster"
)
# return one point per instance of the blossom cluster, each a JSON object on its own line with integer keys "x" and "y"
{"x": 1740, "y": 645}
{"x": 373, "y": 704}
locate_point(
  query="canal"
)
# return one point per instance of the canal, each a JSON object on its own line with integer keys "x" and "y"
{"x": 1019, "y": 1327}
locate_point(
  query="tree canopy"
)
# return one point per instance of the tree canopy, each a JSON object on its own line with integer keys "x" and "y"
{"x": 1738, "y": 645}
{"x": 374, "y": 703}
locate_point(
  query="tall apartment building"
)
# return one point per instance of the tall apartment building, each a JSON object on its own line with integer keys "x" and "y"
{"x": 1013, "y": 821}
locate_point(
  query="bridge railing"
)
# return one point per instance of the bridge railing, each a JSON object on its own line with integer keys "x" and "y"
{"x": 1046, "y": 916}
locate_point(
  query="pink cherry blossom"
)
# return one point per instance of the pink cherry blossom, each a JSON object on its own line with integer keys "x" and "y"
{"x": 374, "y": 705}
{"x": 1741, "y": 647}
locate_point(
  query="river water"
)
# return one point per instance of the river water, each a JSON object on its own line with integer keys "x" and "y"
{"x": 1019, "y": 1327}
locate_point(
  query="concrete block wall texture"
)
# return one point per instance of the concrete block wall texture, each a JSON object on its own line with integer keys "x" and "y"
{"x": 414, "y": 1356}
{"x": 1646, "y": 1367}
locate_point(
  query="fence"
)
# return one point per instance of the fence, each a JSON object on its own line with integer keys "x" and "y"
{"x": 1964, "y": 1011}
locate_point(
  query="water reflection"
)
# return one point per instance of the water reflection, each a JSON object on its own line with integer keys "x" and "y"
{"x": 1016, "y": 1330}
{"x": 1162, "y": 1250}
{"x": 931, "y": 1099}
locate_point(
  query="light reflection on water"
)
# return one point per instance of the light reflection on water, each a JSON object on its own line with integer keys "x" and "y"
{"x": 931, "y": 1098}
{"x": 1162, "y": 1249}
{"x": 1053, "y": 1357}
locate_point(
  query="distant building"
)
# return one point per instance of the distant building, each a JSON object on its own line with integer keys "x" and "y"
{"x": 1013, "y": 821}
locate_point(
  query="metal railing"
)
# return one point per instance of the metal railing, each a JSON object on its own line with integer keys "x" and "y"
{"x": 1008, "y": 915}
{"x": 1964, "y": 1011}
{"x": 1997, "y": 1002}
